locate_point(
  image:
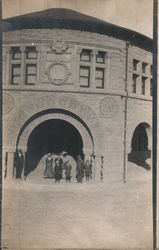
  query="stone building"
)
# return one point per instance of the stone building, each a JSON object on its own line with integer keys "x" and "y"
{"x": 75, "y": 83}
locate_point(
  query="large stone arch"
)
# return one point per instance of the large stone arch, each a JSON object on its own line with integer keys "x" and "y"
{"x": 23, "y": 138}
{"x": 56, "y": 101}
{"x": 148, "y": 130}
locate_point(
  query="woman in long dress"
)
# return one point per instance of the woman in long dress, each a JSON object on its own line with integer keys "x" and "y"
{"x": 48, "y": 172}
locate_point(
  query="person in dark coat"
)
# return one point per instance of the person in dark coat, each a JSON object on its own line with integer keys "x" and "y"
{"x": 19, "y": 163}
{"x": 57, "y": 170}
{"x": 67, "y": 168}
{"x": 48, "y": 172}
{"x": 79, "y": 169}
{"x": 88, "y": 170}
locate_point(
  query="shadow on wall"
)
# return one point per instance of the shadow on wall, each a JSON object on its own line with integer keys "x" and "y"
{"x": 140, "y": 157}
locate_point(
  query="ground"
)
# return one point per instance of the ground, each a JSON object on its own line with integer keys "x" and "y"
{"x": 109, "y": 215}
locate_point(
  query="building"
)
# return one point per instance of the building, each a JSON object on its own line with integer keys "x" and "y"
{"x": 75, "y": 83}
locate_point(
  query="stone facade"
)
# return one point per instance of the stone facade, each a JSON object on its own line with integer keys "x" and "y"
{"x": 105, "y": 115}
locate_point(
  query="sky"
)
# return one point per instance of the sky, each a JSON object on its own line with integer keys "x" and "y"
{"x": 132, "y": 14}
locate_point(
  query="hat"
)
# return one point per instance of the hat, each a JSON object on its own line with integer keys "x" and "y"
{"x": 64, "y": 153}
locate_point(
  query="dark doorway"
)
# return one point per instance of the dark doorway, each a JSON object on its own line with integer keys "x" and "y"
{"x": 52, "y": 136}
{"x": 139, "y": 147}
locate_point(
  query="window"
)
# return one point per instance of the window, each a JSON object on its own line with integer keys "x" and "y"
{"x": 15, "y": 74}
{"x": 100, "y": 57}
{"x": 151, "y": 87}
{"x": 85, "y": 55}
{"x": 31, "y": 65}
{"x": 99, "y": 78}
{"x": 16, "y": 53}
{"x": 31, "y": 53}
{"x": 135, "y": 64}
{"x": 143, "y": 85}
{"x": 31, "y": 73}
{"x": 84, "y": 76}
{"x": 144, "y": 66}
{"x": 134, "y": 82}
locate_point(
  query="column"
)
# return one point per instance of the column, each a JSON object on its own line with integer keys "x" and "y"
{"x": 8, "y": 64}
{"x": 22, "y": 49}
{"x": 93, "y": 69}
{"x": 107, "y": 76}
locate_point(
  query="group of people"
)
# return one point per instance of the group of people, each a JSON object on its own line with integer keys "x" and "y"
{"x": 55, "y": 168}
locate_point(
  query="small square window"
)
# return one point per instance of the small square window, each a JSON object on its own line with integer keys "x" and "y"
{"x": 85, "y": 55}
{"x": 84, "y": 76}
{"x": 144, "y": 66}
{"x": 16, "y": 53}
{"x": 100, "y": 57}
{"x": 135, "y": 64}
{"x": 16, "y": 74}
{"x": 31, "y": 53}
{"x": 99, "y": 78}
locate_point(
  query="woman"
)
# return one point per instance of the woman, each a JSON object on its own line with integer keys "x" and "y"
{"x": 48, "y": 173}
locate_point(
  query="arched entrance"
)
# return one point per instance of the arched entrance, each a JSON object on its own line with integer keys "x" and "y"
{"x": 141, "y": 145}
{"x": 54, "y": 136}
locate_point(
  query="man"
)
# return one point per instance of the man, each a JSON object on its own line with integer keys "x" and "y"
{"x": 48, "y": 173}
{"x": 57, "y": 170}
{"x": 79, "y": 169}
{"x": 68, "y": 168}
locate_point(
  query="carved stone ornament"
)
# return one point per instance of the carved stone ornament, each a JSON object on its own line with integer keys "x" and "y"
{"x": 57, "y": 73}
{"x": 108, "y": 107}
{"x": 58, "y": 47}
{"x": 8, "y": 103}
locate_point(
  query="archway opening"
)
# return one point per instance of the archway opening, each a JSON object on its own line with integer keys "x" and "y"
{"x": 140, "y": 146}
{"x": 52, "y": 136}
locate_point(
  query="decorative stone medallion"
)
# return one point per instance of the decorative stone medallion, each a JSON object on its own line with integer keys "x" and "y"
{"x": 108, "y": 107}
{"x": 57, "y": 73}
{"x": 8, "y": 103}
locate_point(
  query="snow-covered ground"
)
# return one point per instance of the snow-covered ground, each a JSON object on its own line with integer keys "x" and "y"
{"x": 110, "y": 215}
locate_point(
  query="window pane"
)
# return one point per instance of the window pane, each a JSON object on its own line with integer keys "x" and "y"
{"x": 16, "y": 69}
{"x": 100, "y": 58}
{"x": 134, "y": 82}
{"x": 135, "y": 64}
{"x": 85, "y": 55}
{"x": 16, "y": 74}
{"x": 143, "y": 85}
{"x": 31, "y": 53}
{"x": 31, "y": 69}
{"x": 84, "y": 82}
{"x": 16, "y": 53}
{"x": 144, "y": 65}
{"x": 31, "y": 79}
{"x": 151, "y": 87}
{"x": 151, "y": 69}
{"x": 99, "y": 73}
{"x": 16, "y": 79}
{"x": 84, "y": 71}
{"x": 99, "y": 83}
